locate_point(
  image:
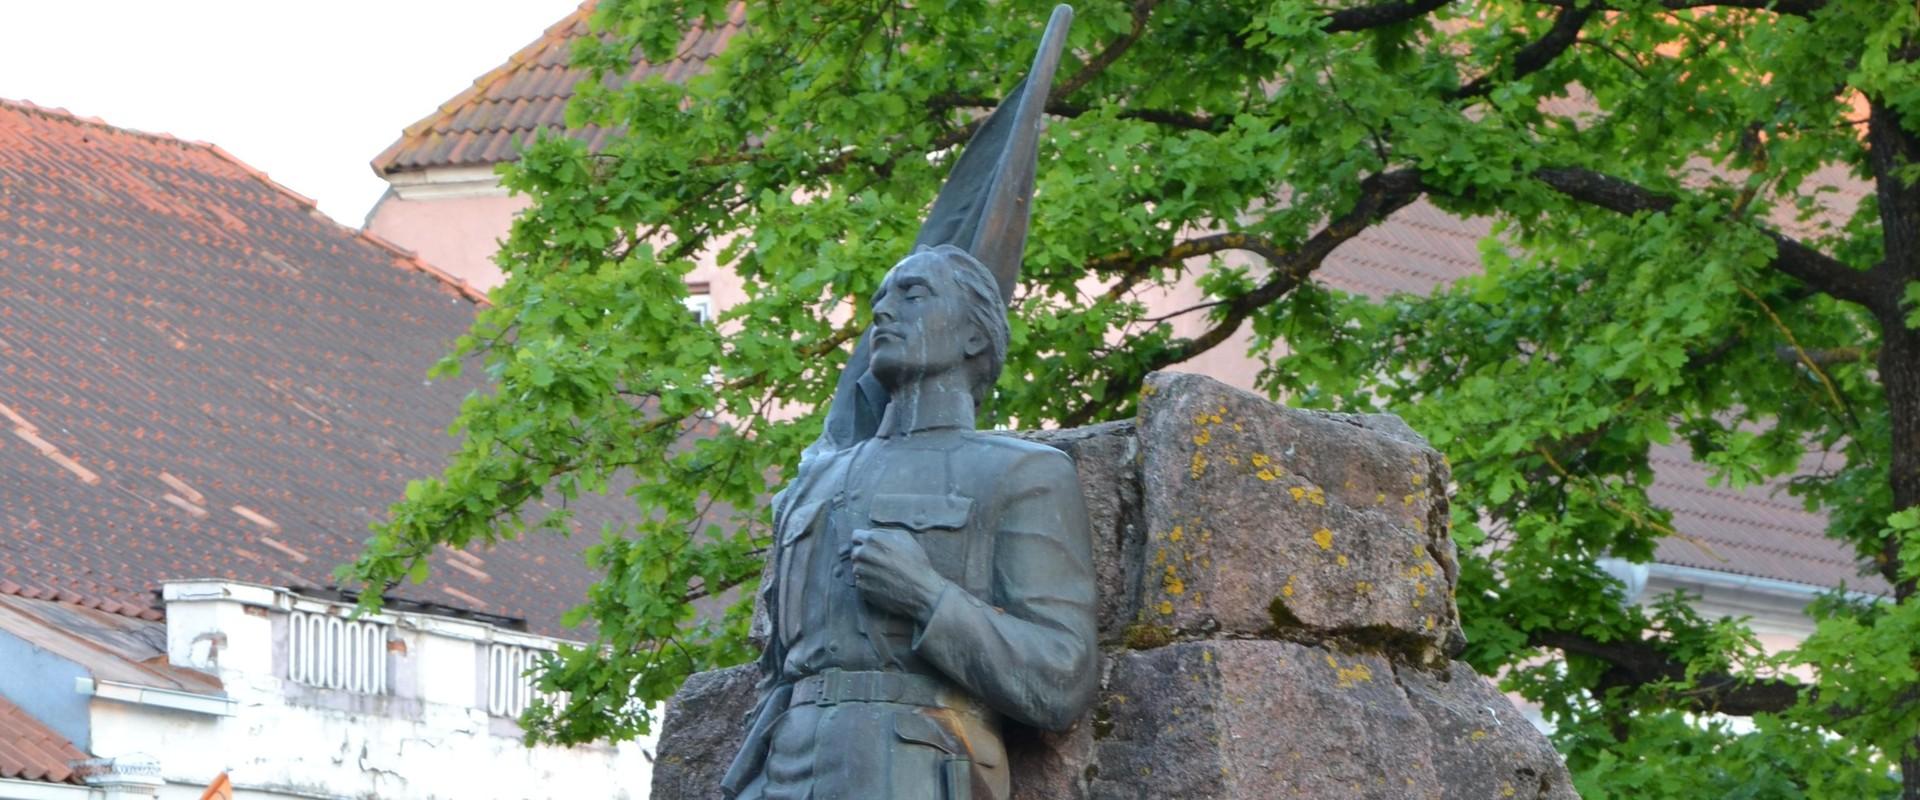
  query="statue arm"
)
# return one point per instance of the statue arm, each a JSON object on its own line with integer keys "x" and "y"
{"x": 1031, "y": 657}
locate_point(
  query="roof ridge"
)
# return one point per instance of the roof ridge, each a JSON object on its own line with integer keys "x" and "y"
{"x": 96, "y": 122}
{"x": 479, "y": 86}
{"x": 411, "y": 259}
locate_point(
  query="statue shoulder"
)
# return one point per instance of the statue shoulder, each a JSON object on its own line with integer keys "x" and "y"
{"x": 1029, "y": 460}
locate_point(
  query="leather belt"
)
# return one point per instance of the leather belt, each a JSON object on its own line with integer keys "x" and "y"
{"x": 840, "y": 686}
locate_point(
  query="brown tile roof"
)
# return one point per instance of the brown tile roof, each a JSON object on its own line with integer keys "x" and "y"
{"x": 1761, "y": 531}
{"x": 485, "y": 124}
{"x": 203, "y": 377}
{"x": 30, "y": 751}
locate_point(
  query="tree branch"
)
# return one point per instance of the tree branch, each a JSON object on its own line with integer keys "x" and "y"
{"x": 1536, "y": 55}
{"x": 1380, "y": 196}
{"x": 1801, "y": 8}
{"x": 1113, "y": 51}
{"x": 1060, "y": 108}
{"x": 1379, "y": 15}
{"x": 1641, "y": 663}
{"x": 1826, "y": 357}
{"x": 1815, "y": 269}
{"x": 1133, "y": 267}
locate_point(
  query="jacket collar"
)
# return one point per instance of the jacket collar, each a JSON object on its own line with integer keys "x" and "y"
{"x": 934, "y": 410}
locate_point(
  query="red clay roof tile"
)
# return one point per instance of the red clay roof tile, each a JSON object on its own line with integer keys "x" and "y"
{"x": 30, "y": 751}
{"x": 168, "y": 310}
{"x": 487, "y": 122}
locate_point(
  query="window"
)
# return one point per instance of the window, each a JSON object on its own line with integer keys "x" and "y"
{"x": 509, "y": 688}
{"x": 701, "y": 304}
{"x": 333, "y": 652}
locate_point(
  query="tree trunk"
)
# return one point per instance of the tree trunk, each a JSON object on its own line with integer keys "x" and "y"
{"x": 1900, "y": 380}
{"x": 1891, "y": 147}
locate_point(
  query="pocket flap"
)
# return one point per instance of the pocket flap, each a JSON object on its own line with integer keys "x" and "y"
{"x": 799, "y": 521}
{"x": 922, "y": 512}
{"x": 920, "y": 730}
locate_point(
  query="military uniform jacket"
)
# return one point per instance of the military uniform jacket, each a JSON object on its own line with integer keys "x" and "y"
{"x": 1002, "y": 520}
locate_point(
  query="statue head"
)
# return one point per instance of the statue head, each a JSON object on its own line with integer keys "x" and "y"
{"x": 937, "y": 312}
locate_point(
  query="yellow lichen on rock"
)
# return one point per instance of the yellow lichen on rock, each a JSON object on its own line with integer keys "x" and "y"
{"x": 1324, "y": 538}
{"x": 1348, "y": 677}
{"x": 1172, "y": 583}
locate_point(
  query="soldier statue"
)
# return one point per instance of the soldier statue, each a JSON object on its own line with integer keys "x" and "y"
{"x": 929, "y": 582}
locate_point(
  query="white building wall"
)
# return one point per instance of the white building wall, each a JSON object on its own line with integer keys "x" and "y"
{"x": 429, "y": 736}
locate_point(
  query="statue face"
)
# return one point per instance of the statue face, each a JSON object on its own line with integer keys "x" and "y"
{"x": 920, "y": 325}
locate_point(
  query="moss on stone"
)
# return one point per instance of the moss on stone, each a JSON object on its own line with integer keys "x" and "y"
{"x": 1146, "y": 636}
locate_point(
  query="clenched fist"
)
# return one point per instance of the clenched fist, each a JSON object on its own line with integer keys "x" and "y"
{"x": 892, "y": 572}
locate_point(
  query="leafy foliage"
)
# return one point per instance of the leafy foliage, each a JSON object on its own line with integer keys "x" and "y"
{"x": 1675, "y": 261}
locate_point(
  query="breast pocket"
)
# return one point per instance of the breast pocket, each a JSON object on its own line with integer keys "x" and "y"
{"x": 937, "y": 521}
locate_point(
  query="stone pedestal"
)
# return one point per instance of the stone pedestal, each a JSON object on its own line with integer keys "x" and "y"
{"x": 1277, "y": 620}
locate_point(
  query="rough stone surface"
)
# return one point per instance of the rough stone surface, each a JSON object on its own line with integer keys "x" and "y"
{"x": 1050, "y": 766}
{"x": 1262, "y": 518}
{"x": 704, "y": 723}
{"x": 1259, "y": 719}
{"x": 1480, "y": 742}
{"x": 1270, "y": 671}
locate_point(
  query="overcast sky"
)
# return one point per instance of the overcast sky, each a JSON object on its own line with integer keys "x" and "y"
{"x": 307, "y": 91}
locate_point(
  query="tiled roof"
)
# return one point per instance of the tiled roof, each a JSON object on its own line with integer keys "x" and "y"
{"x": 203, "y": 377}
{"x": 1761, "y": 531}
{"x": 29, "y": 751}
{"x": 487, "y": 123}
{"x": 1416, "y": 250}
{"x": 110, "y": 647}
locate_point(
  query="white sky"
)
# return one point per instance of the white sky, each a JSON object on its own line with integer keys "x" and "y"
{"x": 307, "y": 91}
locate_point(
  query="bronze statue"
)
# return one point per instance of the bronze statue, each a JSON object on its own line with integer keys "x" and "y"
{"x": 929, "y": 581}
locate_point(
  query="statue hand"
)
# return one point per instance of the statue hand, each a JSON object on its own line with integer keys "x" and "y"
{"x": 892, "y": 572}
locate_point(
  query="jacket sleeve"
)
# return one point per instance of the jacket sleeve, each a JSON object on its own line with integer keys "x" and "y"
{"x": 1030, "y": 653}
{"x": 774, "y": 692}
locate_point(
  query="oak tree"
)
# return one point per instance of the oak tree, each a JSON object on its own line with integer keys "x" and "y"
{"x": 1669, "y": 264}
